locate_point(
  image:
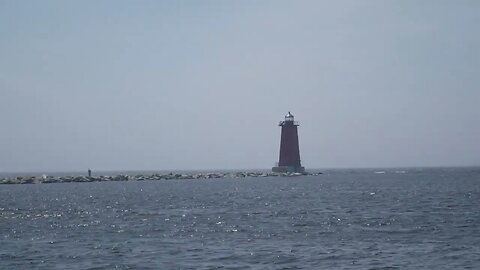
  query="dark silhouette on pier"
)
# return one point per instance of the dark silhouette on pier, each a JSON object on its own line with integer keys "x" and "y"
{"x": 289, "y": 160}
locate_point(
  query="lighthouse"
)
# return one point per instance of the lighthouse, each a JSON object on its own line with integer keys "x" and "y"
{"x": 289, "y": 160}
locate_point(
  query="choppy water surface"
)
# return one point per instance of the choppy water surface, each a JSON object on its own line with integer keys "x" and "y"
{"x": 344, "y": 219}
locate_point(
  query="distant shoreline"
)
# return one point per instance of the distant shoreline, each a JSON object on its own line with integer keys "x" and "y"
{"x": 137, "y": 175}
{"x": 47, "y": 179}
{"x": 10, "y": 174}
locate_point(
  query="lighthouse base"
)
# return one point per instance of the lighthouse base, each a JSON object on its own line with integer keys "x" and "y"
{"x": 288, "y": 169}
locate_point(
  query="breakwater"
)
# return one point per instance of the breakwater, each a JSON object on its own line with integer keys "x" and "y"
{"x": 46, "y": 179}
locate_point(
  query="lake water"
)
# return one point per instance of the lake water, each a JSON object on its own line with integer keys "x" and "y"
{"x": 343, "y": 219}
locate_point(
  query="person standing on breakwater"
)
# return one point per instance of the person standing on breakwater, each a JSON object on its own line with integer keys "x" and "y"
{"x": 89, "y": 173}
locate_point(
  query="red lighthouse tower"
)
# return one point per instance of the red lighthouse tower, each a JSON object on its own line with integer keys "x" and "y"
{"x": 289, "y": 160}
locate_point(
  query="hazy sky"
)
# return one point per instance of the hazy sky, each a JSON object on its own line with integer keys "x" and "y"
{"x": 114, "y": 85}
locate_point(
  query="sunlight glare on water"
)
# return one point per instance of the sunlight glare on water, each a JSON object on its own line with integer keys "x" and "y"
{"x": 343, "y": 219}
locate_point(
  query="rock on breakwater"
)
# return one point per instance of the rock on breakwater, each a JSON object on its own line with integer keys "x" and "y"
{"x": 141, "y": 177}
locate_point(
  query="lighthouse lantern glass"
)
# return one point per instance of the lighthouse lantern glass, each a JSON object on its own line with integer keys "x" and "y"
{"x": 289, "y": 117}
